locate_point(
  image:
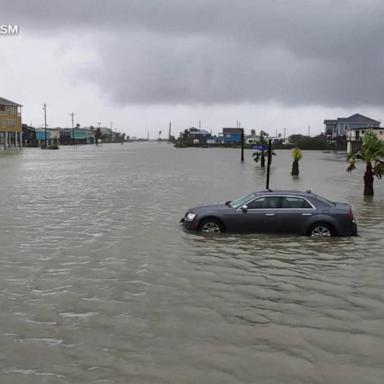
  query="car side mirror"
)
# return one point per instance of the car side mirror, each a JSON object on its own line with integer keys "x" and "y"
{"x": 244, "y": 208}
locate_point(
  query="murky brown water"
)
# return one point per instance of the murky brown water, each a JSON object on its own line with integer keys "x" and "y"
{"x": 98, "y": 284}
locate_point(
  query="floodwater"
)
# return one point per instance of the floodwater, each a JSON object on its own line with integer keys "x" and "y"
{"x": 99, "y": 284}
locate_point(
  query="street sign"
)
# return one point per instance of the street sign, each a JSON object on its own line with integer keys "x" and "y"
{"x": 259, "y": 147}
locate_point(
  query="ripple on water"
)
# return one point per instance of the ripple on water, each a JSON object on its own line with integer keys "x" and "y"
{"x": 99, "y": 284}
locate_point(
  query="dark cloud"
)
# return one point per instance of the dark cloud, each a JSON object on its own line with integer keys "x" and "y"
{"x": 297, "y": 52}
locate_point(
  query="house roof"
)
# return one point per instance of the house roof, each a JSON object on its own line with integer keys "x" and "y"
{"x": 9, "y": 102}
{"x": 357, "y": 118}
{"x": 232, "y": 131}
{"x": 330, "y": 121}
{"x": 197, "y": 131}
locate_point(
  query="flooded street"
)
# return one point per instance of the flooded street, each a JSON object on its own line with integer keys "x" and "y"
{"x": 99, "y": 284}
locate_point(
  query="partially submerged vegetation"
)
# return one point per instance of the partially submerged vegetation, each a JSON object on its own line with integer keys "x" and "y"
{"x": 297, "y": 156}
{"x": 372, "y": 153}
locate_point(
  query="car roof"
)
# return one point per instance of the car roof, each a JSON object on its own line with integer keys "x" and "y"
{"x": 284, "y": 192}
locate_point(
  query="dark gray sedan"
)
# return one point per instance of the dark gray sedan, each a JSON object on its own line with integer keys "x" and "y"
{"x": 290, "y": 212}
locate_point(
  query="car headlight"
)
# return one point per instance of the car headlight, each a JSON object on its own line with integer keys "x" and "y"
{"x": 190, "y": 216}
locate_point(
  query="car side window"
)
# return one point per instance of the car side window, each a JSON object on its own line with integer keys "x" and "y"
{"x": 266, "y": 202}
{"x": 295, "y": 202}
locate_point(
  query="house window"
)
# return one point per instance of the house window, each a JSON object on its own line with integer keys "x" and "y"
{"x": 2, "y": 108}
{"x": 346, "y": 126}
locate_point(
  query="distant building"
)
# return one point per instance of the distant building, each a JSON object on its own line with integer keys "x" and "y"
{"x": 28, "y": 136}
{"x": 252, "y": 138}
{"x": 195, "y": 136}
{"x": 10, "y": 124}
{"x": 351, "y": 129}
{"x": 232, "y": 135}
{"x": 340, "y": 126}
{"x": 53, "y": 136}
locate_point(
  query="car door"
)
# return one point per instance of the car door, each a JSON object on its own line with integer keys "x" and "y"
{"x": 295, "y": 214}
{"x": 262, "y": 215}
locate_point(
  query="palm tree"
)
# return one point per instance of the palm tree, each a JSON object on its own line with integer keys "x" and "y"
{"x": 372, "y": 151}
{"x": 296, "y": 155}
{"x": 262, "y": 155}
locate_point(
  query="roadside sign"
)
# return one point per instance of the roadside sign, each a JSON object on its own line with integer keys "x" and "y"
{"x": 260, "y": 147}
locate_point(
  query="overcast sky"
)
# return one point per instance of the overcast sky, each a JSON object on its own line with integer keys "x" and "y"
{"x": 271, "y": 64}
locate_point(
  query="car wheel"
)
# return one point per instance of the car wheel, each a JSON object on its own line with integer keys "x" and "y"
{"x": 321, "y": 230}
{"x": 211, "y": 226}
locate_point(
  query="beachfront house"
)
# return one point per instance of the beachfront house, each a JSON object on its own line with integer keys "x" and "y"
{"x": 194, "y": 135}
{"x": 351, "y": 130}
{"x": 53, "y": 136}
{"x": 355, "y": 137}
{"x": 10, "y": 124}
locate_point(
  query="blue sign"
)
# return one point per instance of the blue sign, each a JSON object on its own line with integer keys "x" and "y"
{"x": 260, "y": 147}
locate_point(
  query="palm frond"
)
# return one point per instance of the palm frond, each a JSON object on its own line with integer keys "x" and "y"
{"x": 378, "y": 169}
{"x": 372, "y": 151}
{"x": 296, "y": 154}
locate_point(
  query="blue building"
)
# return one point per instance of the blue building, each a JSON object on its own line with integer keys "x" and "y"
{"x": 232, "y": 135}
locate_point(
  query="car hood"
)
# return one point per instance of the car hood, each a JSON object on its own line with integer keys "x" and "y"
{"x": 210, "y": 208}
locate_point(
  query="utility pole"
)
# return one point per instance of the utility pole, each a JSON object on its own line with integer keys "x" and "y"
{"x": 269, "y": 158}
{"x": 73, "y": 127}
{"x": 199, "y": 125}
{"x": 111, "y": 125}
{"x": 45, "y": 126}
{"x": 170, "y": 131}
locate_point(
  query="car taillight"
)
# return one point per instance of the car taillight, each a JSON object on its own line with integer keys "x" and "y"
{"x": 351, "y": 214}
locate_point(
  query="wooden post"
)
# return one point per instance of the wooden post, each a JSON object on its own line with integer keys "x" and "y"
{"x": 242, "y": 145}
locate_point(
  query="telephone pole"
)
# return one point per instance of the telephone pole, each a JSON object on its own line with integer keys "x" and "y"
{"x": 73, "y": 127}
{"x": 45, "y": 126}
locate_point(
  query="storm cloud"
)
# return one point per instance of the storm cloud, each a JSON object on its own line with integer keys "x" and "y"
{"x": 297, "y": 52}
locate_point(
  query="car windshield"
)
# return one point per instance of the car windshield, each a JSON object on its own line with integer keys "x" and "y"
{"x": 237, "y": 203}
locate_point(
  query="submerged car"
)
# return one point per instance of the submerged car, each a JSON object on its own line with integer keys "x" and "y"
{"x": 287, "y": 212}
